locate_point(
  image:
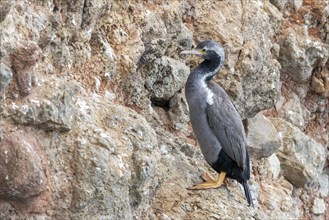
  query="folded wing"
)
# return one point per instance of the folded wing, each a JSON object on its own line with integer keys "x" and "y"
{"x": 226, "y": 124}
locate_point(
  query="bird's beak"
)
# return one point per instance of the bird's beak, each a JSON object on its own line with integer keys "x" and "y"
{"x": 195, "y": 52}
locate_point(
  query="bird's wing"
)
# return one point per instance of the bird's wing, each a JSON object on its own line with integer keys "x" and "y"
{"x": 225, "y": 122}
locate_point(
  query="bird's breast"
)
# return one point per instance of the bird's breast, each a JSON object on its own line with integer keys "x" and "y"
{"x": 198, "y": 98}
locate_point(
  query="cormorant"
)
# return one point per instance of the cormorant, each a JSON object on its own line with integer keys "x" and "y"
{"x": 216, "y": 122}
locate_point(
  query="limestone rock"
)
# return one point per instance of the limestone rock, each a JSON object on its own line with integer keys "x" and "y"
{"x": 262, "y": 138}
{"x": 319, "y": 206}
{"x": 280, "y": 4}
{"x": 22, "y": 168}
{"x": 294, "y": 111}
{"x": 302, "y": 159}
{"x": 268, "y": 168}
{"x": 324, "y": 185}
{"x": 5, "y": 7}
{"x": 274, "y": 166}
{"x": 299, "y": 54}
{"x": 5, "y": 76}
{"x": 278, "y": 201}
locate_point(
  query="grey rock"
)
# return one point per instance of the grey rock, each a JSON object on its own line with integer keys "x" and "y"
{"x": 274, "y": 166}
{"x": 294, "y": 111}
{"x": 325, "y": 30}
{"x": 115, "y": 162}
{"x": 1, "y": 134}
{"x": 319, "y": 206}
{"x": 162, "y": 40}
{"x": 262, "y": 138}
{"x": 164, "y": 37}
{"x": 164, "y": 77}
{"x": 302, "y": 159}
{"x": 178, "y": 112}
{"x": 54, "y": 112}
{"x": 299, "y": 54}
{"x": 154, "y": 37}
{"x": 5, "y": 7}
{"x": 109, "y": 57}
{"x": 297, "y": 4}
{"x": 5, "y": 76}
{"x": 22, "y": 168}
{"x": 137, "y": 93}
{"x": 280, "y": 4}
{"x": 267, "y": 90}
{"x": 182, "y": 41}
{"x": 324, "y": 185}
{"x": 277, "y": 199}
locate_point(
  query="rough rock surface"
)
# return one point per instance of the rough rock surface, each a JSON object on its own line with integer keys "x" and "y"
{"x": 274, "y": 166}
{"x": 319, "y": 206}
{"x": 100, "y": 86}
{"x": 5, "y": 76}
{"x": 294, "y": 111}
{"x": 22, "y": 168}
{"x": 164, "y": 77}
{"x": 302, "y": 159}
{"x": 5, "y": 8}
{"x": 53, "y": 112}
{"x": 262, "y": 138}
{"x": 24, "y": 59}
{"x": 324, "y": 185}
{"x": 117, "y": 152}
{"x": 300, "y": 55}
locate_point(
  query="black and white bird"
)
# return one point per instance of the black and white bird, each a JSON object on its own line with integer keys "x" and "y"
{"x": 216, "y": 122}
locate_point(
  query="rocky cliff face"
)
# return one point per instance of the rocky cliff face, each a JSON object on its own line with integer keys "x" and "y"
{"x": 94, "y": 123}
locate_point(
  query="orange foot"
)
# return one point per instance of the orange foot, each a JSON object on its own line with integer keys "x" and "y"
{"x": 209, "y": 182}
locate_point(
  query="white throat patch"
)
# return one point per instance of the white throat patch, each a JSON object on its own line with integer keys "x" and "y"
{"x": 208, "y": 92}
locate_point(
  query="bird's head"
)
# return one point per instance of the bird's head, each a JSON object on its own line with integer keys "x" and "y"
{"x": 208, "y": 50}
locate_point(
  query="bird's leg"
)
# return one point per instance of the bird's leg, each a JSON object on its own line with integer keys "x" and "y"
{"x": 210, "y": 184}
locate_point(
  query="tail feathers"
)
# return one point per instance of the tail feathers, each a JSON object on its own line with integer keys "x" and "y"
{"x": 247, "y": 193}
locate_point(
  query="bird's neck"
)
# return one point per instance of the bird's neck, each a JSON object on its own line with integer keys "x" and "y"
{"x": 205, "y": 71}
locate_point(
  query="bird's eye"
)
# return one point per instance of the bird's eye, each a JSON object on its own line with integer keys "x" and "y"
{"x": 204, "y": 50}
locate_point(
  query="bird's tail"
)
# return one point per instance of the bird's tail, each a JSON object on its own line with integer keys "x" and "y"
{"x": 247, "y": 193}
